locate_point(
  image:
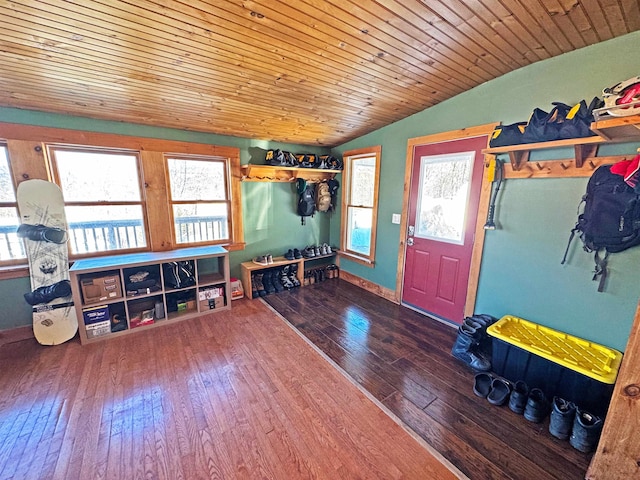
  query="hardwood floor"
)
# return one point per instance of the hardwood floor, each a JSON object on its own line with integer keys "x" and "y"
{"x": 232, "y": 395}
{"x": 403, "y": 359}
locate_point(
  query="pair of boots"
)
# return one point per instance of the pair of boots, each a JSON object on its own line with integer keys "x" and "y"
{"x": 471, "y": 343}
{"x": 532, "y": 403}
{"x": 579, "y": 426}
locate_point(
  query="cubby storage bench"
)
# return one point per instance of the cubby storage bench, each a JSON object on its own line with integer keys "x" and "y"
{"x": 122, "y": 294}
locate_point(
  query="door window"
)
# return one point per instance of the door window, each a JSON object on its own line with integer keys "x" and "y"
{"x": 445, "y": 181}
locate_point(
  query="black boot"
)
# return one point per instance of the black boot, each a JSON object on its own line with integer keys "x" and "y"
{"x": 563, "y": 414}
{"x": 478, "y": 331}
{"x": 48, "y": 293}
{"x": 586, "y": 431}
{"x": 465, "y": 348}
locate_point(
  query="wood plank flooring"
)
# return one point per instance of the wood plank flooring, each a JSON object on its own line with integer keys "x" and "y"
{"x": 232, "y": 395}
{"x": 403, "y": 359}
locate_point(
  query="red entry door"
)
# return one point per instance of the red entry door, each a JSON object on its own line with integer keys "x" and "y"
{"x": 443, "y": 208}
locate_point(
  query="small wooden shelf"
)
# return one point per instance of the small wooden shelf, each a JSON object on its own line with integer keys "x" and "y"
{"x": 268, "y": 173}
{"x": 246, "y": 268}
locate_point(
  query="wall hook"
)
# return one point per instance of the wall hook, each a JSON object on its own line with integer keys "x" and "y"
{"x": 540, "y": 167}
{"x": 593, "y": 165}
{"x": 564, "y": 167}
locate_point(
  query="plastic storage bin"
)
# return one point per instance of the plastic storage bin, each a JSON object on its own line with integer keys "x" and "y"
{"x": 559, "y": 364}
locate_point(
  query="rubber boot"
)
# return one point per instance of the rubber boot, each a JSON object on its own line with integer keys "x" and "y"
{"x": 479, "y": 332}
{"x": 586, "y": 431}
{"x": 267, "y": 281}
{"x": 563, "y": 415}
{"x": 275, "y": 279}
{"x": 259, "y": 285}
{"x": 464, "y": 349}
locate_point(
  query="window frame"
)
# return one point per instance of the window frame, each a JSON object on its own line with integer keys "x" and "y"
{"x": 20, "y": 260}
{"x": 55, "y": 173}
{"x": 348, "y": 158}
{"x": 27, "y": 145}
{"x": 227, "y": 201}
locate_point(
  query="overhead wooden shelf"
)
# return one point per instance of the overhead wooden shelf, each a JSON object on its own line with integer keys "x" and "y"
{"x": 614, "y": 129}
{"x": 618, "y": 129}
{"x": 268, "y": 173}
{"x": 584, "y": 148}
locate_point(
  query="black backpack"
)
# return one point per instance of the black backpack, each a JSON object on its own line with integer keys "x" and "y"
{"x": 610, "y": 221}
{"x": 306, "y": 199}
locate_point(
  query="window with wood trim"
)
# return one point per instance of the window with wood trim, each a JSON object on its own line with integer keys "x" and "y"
{"x": 103, "y": 198}
{"x": 11, "y": 247}
{"x": 360, "y": 204}
{"x": 200, "y": 199}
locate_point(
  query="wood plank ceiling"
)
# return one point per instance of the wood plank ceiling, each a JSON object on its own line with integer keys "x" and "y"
{"x": 316, "y": 72}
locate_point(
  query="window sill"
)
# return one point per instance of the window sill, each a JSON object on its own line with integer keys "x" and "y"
{"x": 14, "y": 271}
{"x": 367, "y": 262}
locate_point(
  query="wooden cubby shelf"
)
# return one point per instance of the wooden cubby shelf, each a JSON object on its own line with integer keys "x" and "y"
{"x": 268, "y": 173}
{"x": 108, "y": 304}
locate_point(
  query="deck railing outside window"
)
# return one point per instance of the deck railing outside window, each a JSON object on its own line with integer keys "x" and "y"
{"x": 88, "y": 237}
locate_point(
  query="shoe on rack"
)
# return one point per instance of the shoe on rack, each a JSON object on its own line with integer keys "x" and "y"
{"x": 308, "y": 252}
{"x": 323, "y": 249}
{"x": 537, "y": 406}
{"x": 563, "y": 413}
{"x": 518, "y": 398}
{"x": 259, "y": 285}
{"x": 269, "y": 258}
{"x": 297, "y": 254}
{"x": 289, "y": 255}
{"x": 275, "y": 279}
{"x": 254, "y": 287}
{"x": 49, "y": 292}
{"x": 261, "y": 260}
{"x": 327, "y": 247}
{"x": 316, "y": 250}
{"x": 293, "y": 275}
{"x": 284, "y": 278}
{"x": 42, "y": 233}
{"x": 267, "y": 281}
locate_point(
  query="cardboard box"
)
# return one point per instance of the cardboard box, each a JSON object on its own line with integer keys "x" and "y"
{"x": 209, "y": 293}
{"x": 99, "y": 289}
{"x": 97, "y": 321}
{"x": 98, "y": 329}
{"x": 210, "y": 304}
{"x": 96, "y": 314}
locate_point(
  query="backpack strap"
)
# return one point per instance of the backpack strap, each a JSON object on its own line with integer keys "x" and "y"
{"x": 600, "y": 270}
{"x": 566, "y": 252}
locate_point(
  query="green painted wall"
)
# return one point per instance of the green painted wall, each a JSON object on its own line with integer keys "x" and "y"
{"x": 269, "y": 209}
{"x": 521, "y": 272}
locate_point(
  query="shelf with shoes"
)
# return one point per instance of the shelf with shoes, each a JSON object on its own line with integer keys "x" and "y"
{"x": 116, "y": 295}
{"x": 268, "y": 173}
{"x": 249, "y": 268}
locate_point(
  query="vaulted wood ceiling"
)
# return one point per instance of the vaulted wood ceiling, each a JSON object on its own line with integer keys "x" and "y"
{"x": 317, "y": 72}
